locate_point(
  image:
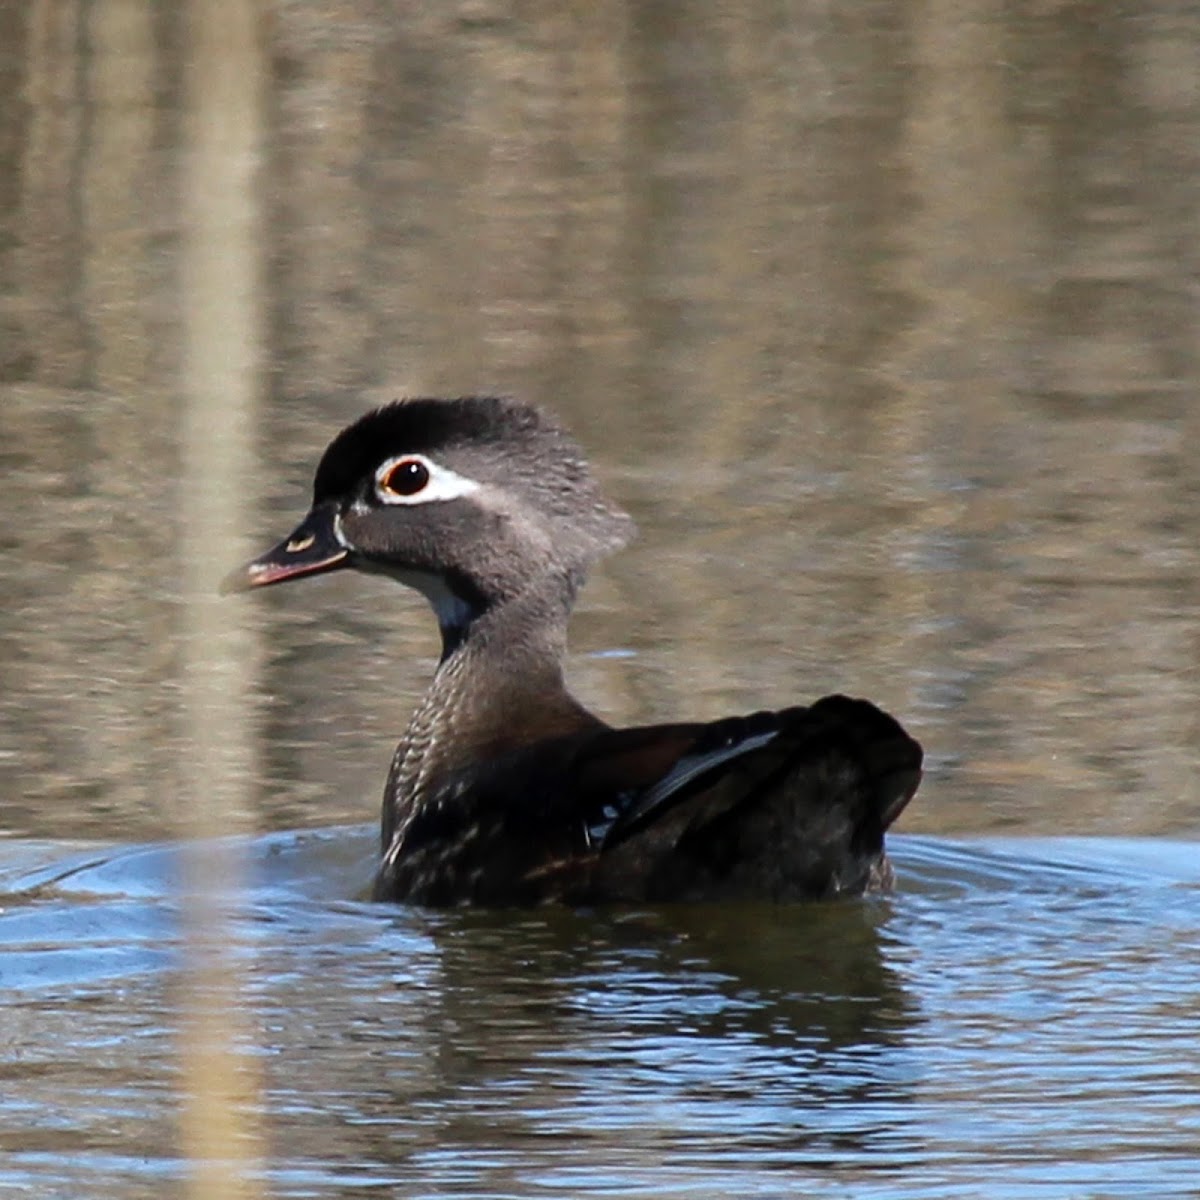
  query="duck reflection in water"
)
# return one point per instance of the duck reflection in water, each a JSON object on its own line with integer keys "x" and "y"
{"x": 751, "y": 1033}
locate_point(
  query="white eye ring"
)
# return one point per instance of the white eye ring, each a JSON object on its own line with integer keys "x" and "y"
{"x": 442, "y": 484}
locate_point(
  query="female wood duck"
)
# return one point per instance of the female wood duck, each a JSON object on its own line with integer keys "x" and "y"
{"x": 504, "y": 788}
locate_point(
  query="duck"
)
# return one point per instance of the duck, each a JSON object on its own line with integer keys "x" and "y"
{"x": 506, "y": 790}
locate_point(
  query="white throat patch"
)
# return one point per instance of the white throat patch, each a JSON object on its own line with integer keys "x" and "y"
{"x": 451, "y": 610}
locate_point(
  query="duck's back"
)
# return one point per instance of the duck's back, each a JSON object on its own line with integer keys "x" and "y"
{"x": 779, "y": 806}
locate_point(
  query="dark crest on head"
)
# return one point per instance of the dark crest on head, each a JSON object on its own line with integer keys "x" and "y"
{"x": 512, "y": 448}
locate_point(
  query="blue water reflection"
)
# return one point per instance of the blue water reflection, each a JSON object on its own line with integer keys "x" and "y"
{"x": 1024, "y": 1008}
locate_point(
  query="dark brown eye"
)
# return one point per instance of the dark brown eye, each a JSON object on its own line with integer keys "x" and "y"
{"x": 405, "y": 478}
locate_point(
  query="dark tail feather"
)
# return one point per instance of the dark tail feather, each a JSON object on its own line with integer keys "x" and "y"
{"x": 804, "y": 815}
{"x": 890, "y": 758}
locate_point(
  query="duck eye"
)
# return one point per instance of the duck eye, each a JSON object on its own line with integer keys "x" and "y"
{"x": 405, "y": 478}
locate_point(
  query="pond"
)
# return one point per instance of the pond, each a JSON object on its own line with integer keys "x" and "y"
{"x": 1021, "y": 1012}
{"x": 880, "y": 320}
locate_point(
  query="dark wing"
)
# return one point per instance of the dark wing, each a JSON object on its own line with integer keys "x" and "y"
{"x": 716, "y": 748}
{"x": 774, "y": 804}
{"x": 786, "y": 805}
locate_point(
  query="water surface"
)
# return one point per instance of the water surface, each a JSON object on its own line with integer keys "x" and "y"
{"x": 1018, "y": 1020}
{"x": 880, "y": 317}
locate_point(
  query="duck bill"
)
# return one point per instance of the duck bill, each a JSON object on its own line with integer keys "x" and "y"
{"x": 313, "y": 548}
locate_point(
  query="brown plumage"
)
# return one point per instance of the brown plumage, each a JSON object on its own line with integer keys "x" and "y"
{"x": 506, "y": 790}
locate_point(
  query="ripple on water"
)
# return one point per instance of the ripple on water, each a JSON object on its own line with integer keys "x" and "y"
{"x": 1021, "y": 1011}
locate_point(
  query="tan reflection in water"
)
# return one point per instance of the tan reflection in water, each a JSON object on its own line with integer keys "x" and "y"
{"x": 222, "y": 307}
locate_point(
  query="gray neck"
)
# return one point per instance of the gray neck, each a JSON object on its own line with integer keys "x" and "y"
{"x": 498, "y": 688}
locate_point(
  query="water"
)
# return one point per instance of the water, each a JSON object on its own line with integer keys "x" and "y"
{"x": 879, "y": 317}
{"x": 1019, "y": 1020}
